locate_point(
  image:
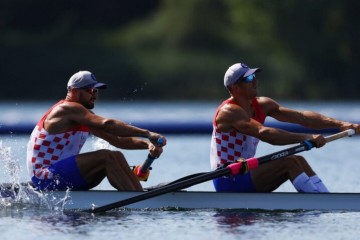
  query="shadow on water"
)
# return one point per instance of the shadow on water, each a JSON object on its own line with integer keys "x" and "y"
{"x": 57, "y": 221}
{"x": 238, "y": 221}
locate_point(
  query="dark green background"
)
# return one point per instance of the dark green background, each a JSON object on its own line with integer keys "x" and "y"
{"x": 176, "y": 50}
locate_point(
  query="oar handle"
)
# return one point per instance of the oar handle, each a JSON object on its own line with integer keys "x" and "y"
{"x": 342, "y": 134}
{"x": 147, "y": 163}
{"x": 142, "y": 172}
{"x": 150, "y": 159}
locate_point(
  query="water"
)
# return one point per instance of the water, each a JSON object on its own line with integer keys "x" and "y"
{"x": 336, "y": 163}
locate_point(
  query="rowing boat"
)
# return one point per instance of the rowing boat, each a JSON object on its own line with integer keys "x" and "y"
{"x": 80, "y": 200}
{"x": 172, "y": 194}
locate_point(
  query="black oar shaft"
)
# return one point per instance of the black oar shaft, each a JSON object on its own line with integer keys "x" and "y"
{"x": 284, "y": 153}
{"x": 163, "y": 190}
{"x": 195, "y": 180}
{"x": 216, "y": 173}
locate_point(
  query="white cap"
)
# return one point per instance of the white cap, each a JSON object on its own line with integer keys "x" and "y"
{"x": 84, "y": 79}
{"x": 236, "y": 71}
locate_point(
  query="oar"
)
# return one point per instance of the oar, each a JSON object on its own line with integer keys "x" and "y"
{"x": 142, "y": 171}
{"x": 232, "y": 169}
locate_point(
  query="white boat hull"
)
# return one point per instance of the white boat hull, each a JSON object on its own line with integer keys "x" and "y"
{"x": 75, "y": 200}
{"x": 213, "y": 200}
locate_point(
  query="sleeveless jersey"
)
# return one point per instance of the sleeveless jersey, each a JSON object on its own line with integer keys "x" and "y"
{"x": 45, "y": 149}
{"x": 227, "y": 147}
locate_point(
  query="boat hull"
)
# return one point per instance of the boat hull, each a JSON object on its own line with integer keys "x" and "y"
{"x": 75, "y": 200}
{"x": 213, "y": 200}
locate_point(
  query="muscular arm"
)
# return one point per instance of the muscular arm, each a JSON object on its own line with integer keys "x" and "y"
{"x": 308, "y": 119}
{"x": 70, "y": 114}
{"x": 233, "y": 117}
{"x": 123, "y": 142}
{"x": 130, "y": 143}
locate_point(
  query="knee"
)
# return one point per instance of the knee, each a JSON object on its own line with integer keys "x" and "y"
{"x": 111, "y": 155}
{"x": 300, "y": 160}
{"x": 299, "y": 164}
{"x": 297, "y": 161}
{"x": 117, "y": 155}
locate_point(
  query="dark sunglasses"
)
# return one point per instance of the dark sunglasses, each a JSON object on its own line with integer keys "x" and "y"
{"x": 249, "y": 78}
{"x": 90, "y": 90}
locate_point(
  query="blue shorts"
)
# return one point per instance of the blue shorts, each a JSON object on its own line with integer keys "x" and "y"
{"x": 238, "y": 183}
{"x": 66, "y": 176}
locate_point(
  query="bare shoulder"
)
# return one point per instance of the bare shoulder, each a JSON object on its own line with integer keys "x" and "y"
{"x": 266, "y": 101}
{"x": 71, "y": 105}
{"x": 279, "y": 112}
{"x": 231, "y": 110}
{"x": 68, "y": 108}
{"x": 65, "y": 116}
{"x": 268, "y": 105}
{"x": 229, "y": 115}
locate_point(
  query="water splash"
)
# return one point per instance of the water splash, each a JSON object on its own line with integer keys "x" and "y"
{"x": 17, "y": 195}
{"x": 11, "y": 165}
{"x": 26, "y": 197}
{"x": 99, "y": 143}
{"x": 52, "y": 201}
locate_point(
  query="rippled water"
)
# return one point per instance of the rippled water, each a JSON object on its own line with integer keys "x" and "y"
{"x": 194, "y": 224}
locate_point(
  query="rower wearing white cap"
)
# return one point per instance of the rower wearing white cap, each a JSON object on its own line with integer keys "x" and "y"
{"x": 53, "y": 156}
{"x": 238, "y": 126}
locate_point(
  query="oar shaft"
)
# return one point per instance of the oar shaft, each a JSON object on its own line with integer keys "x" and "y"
{"x": 163, "y": 190}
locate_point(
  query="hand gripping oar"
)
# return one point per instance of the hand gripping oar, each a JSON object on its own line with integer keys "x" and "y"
{"x": 232, "y": 169}
{"x": 142, "y": 171}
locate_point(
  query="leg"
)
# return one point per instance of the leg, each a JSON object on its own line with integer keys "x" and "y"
{"x": 95, "y": 166}
{"x": 271, "y": 175}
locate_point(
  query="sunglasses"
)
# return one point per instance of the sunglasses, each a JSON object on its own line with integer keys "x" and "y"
{"x": 90, "y": 90}
{"x": 249, "y": 78}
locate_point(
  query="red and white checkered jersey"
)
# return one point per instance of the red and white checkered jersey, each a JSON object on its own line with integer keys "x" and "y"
{"x": 45, "y": 149}
{"x": 227, "y": 147}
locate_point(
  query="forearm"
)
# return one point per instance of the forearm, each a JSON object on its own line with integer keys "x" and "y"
{"x": 131, "y": 143}
{"x": 280, "y": 137}
{"x": 122, "y": 129}
{"x": 318, "y": 121}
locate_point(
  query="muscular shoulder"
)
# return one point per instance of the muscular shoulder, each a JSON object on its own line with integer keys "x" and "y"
{"x": 65, "y": 116}
{"x": 231, "y": 109}
{"x": 268, "y": 105}
{"x": 68, "y": 108}
{"x": 228, "y": 115}
{"x": 279, "y": 112}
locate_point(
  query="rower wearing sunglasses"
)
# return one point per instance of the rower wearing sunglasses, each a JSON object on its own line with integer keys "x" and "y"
{"x": 238, "y": 126}
{"x": 54, "y": 159}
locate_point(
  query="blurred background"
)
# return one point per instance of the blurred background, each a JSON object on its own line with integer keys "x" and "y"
{"x": 180, "y": 50}
{"x": 165, "y": 60}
